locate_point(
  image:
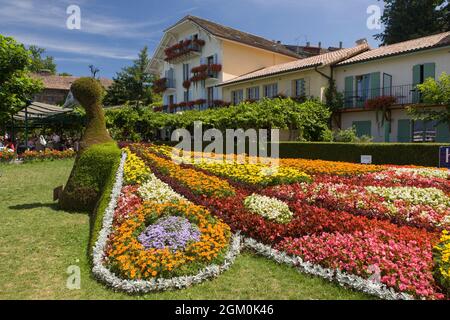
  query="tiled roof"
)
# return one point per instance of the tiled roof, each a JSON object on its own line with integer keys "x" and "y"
{"x": 239, "y": 36}
{"x": 438, "y": 40}
{"x": 315, "y": 61}
{"x": 63, "y": 82}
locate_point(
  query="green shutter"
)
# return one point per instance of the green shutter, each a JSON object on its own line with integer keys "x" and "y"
{"x": 404, "y": 130}
{"x": 349, "y": 88}
{"x": 429, "y": 70}
{"x": 375, "y": 84}
{"x": 363, "y": 128}
{"x": 416, "y": 81}
{"x": 443, "y": 132}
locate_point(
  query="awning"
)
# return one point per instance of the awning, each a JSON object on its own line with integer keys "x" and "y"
{"x": 39, "y": 111}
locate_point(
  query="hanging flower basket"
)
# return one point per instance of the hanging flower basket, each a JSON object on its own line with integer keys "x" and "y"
{"x": 187, "y": 84}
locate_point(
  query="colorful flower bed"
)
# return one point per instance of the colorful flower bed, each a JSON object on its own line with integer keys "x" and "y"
{"x": 376, "y": 229}
{"x": 29, "y": 156}
{"x": 154, "y": 239}
{"x": 47, "y": 155}
{"x": 6, "y": 156}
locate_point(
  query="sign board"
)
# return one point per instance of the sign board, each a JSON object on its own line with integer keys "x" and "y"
{"x": 444, "y": 157}
{"x": 366, "y": 159}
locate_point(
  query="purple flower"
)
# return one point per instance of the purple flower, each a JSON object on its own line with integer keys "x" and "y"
{"x": 169, "y": 232}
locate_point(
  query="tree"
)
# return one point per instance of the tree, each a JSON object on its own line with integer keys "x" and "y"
{"x": 38, "y": 63}
{"x": 94, "y": 70}
{"x": 435, "y": 93}
{"x": 16, "y": 87}
{"x": 133, "y": 84}
{"x": 409, "y": 19}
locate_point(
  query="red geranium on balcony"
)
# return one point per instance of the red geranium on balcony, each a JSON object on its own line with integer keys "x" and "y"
{"x": 187, "y": 84}
{"x": 182, "y": 48}
{"x": 160, "y": 85}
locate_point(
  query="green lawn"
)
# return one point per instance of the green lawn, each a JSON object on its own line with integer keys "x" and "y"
{"x": 38, "y": 243}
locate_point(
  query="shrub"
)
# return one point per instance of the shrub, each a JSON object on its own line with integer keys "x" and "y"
{"x": 383, "y": 153}
{"x": 89, "y": 175}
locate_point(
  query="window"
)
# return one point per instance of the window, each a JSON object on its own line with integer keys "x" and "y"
{"x": 237, "y": 97}
{"x": 363, "y": 128}
{"x": 253, "y": 93}
{"x": 186, "y": 72}
{"x": 300, "y": 88}
{"x": 210, "y": 96}
{"x": 271, "y": 90}
{"x": 424, "y": 131}
{"x": 210, "y": 60}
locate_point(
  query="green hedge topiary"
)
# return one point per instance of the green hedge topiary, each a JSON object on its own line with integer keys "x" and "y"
{"x": 91, "y": 172}
{"x": 382, "y": 153}
{"x": 419, "y": 154}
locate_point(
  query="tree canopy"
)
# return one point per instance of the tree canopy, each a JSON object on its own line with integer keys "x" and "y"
{"x": 16, "y": 87}
{"x": 409, "y": 19}
{"x": 133, "y": 84}
{"x": 435, "y": 93}
{"x": 39, "y": 63}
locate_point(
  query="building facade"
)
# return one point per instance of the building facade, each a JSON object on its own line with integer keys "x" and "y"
{"x": 196, "y": 55}
{"x": 393, "y": 71}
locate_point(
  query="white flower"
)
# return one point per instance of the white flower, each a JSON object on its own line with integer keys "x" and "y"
{"x": 424, "y": 172}
{"x": 157, "y": 191}
{"x": 416, "y": 196}
{"x": 269, "y": 208}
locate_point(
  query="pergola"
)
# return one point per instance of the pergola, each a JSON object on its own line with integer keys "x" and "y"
{"x": 35, "y": 112}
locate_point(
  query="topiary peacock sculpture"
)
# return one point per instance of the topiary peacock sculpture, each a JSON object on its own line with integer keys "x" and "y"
{"x": 98, "y": 156}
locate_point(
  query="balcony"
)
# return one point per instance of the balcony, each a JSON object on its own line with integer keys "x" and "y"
{"x": 164, "y": 84}
{"x": 184, "y": 50}
{"x": 403, "y": 95}
{"x": 205, "y": 72}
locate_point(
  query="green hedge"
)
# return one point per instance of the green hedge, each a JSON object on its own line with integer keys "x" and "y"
{"x": 90, "y": 173}
{"x": 96, "y": 219}
{"x": 420, "y": 154}
{"x": 382, "y": 153}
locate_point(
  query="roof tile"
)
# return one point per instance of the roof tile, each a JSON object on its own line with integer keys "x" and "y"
{"x": 438, "y": 40}
{"x": 315, "y": 61}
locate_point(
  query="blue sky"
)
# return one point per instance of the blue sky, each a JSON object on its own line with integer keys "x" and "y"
{"x": 112, "y": 32}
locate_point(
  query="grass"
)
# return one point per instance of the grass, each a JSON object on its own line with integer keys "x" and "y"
{"x": 38, "y": 243}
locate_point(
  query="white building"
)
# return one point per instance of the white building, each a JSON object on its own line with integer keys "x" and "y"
{"x": 195, "y": 55}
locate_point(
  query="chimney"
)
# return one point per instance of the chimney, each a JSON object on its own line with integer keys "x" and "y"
{"x": 279, "y": 42}
{"x": 320, "y": 45}
{"x": 361, "y": 41}
{"x": 308, "y": 44}
{"x": 341, "y": 44}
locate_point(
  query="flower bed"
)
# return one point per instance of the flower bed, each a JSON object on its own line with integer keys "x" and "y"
{"x": 147, "y": 246}
{"x": 6, "y": 156}
{"x": 376, "y": 235}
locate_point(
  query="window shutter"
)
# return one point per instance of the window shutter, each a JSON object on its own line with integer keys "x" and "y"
{"x": 349, "y": 87}
{"x": 404, "y": 130}
{"x": 216, "y": 93}
{"x": 416, "y": 74}
{"x": 429, "y": 70}
{"x": 216, "y": 58}
{"x": 375, "y": 80}
{"x": 363, "y": 128}
{"x": 416, "y": 81}
{"x": 165, "y": 100}
{"x": 202, "y": 61}
{"x": 443, "y": 133}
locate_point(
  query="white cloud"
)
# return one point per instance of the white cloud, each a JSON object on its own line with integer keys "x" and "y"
{"x": 51, "y": 14}
{"x": 79, "y": 48}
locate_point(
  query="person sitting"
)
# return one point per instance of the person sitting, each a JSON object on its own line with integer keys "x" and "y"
{"x": 10, "y": 146}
